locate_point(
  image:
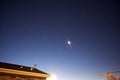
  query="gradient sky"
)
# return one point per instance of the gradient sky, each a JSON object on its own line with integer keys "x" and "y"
{"x": 35, "y": 31}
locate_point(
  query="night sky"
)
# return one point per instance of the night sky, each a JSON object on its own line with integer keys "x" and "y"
{"x": 36, "y": 32}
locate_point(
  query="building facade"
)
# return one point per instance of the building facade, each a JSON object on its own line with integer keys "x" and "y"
{"x": 19, "y": 72}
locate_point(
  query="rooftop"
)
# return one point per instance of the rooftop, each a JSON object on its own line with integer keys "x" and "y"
{"x": 21, "y": 68}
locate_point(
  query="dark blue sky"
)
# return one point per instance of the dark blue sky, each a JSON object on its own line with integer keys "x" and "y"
{"x": 35, "y": 31}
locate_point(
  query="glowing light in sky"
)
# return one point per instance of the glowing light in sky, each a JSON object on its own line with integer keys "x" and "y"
{"x": 69, "y": 43}
{"x": 53, "y": 77}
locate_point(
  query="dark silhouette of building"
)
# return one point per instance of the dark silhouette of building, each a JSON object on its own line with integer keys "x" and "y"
{"x": 19, "y": 72}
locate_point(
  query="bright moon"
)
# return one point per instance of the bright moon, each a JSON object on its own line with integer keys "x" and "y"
{"x": 69, "y": 42}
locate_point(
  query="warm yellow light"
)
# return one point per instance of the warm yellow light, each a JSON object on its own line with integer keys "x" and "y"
{"x": 53, "y": 77}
